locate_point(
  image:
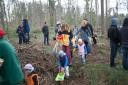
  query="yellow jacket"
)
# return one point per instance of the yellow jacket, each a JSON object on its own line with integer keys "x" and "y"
{"x": 63, "y": 39}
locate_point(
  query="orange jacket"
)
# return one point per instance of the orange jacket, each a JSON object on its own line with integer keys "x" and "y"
{"x": 30, "y": 81}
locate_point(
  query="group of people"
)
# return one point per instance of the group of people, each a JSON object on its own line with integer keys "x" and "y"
{"x": 80, "y": 39}
{"x": 23, "y": 32}
{"x": 118, "y": 41}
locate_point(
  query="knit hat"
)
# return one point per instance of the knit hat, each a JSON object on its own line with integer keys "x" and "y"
{"x": 2, "y": 32}
{"x": 29, "y": 67}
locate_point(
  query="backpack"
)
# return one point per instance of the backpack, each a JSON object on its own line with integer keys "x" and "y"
{"x": 113, "y": 34}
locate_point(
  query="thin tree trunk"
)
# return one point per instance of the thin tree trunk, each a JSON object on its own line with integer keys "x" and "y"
{"x": 106, "y": 15}
{"x": 96, "y": 5}
{"x": 102, "y": 16}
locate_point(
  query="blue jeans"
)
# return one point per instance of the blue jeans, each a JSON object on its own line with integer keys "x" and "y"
{"x": 114, "y": 49}
{"x": 125, "y": 58}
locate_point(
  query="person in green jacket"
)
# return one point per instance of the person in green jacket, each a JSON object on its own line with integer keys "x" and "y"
{"x": 10, "y": 71}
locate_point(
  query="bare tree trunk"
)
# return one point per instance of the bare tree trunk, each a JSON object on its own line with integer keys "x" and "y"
{"x": 96, "y": 6}
{"x": 52, "y": 12}
{"x": 102, "y": 16}
{"x": 90, "y": 13}
{"x": 107, "y": 14}
{"x": 87, "y": 8}
{"x": 117, "y": 4}
{"x": 127, "y": 6}
{"x": 2, "y": 13}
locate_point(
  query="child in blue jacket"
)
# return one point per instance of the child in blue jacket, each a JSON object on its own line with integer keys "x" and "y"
{"x": 63, "y": 63}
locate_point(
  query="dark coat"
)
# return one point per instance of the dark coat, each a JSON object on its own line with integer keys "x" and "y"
{"x": 26, "y": 26}
{"x": 20, "y": 30}
{"x": 113, "y": 31}
{"x": 45, "y": 30}
{"x": 124, "y": 36}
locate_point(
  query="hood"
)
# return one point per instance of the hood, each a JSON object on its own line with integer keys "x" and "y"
{"x": 115, "y": 21}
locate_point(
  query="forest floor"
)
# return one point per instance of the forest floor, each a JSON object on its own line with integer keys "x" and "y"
{"x": 96, "y": 71}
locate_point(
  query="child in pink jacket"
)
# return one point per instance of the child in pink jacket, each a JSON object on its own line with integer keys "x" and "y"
{"x": 82, "y": 50}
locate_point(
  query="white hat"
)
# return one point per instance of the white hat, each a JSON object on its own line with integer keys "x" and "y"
{"x": 29, "y": 67}
{"x": 80, "y": 40}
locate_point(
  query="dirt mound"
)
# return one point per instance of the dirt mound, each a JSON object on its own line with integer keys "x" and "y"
{"x": 40, "y": 60}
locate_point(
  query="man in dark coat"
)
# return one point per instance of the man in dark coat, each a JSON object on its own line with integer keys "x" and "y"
{"x": 26, "y": 30}
{"x": 124, "y": 43}
{"x": 46, "y": 33}
{"x": 113, "y": 35}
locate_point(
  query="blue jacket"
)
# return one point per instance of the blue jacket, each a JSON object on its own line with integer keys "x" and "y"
{"x": 63, "y": 61}
{"x": 26, "y": 26}
{"x": 83, "y": 34}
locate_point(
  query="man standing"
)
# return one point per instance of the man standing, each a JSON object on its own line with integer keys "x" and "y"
{"x": 124, "y": 43}
{"x": 90, "y": 28}
{"x": 113, "y": 34}
{"x": 26, "y": 30}
{"x": 46, "y": 33}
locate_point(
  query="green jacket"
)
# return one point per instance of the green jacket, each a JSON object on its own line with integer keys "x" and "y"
{"x": 11, "y": 69}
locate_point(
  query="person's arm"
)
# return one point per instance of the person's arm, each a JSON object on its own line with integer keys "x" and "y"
{"x": 35, "y": 79}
